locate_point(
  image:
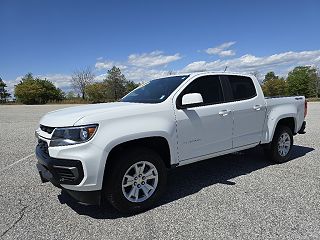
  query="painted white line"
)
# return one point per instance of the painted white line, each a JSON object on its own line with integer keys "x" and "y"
{"x": 12, "y": 164}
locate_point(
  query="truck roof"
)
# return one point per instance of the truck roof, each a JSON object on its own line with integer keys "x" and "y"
{"x": 192, "y": 74}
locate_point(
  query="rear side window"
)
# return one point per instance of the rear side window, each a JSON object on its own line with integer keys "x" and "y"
{"x": 208, "y": 86}
{"x": 242, "y": 87}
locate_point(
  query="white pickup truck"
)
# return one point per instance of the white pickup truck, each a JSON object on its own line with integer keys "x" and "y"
{"x": 120, "y": 151}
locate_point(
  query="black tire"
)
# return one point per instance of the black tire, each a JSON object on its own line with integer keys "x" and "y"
{"x": 272, "y": 149}
{"x": 112, "y": 189}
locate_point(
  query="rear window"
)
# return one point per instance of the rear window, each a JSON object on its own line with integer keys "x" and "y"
{"x": 242, "y": 87}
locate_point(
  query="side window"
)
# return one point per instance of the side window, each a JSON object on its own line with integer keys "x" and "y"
{"x": 208, "y": 86}
{"x": 242, "y": 87}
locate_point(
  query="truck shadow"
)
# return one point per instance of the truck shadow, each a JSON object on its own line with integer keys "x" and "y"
{"x": 190, "y": 179}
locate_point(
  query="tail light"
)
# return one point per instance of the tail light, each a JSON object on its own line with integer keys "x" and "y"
{"x": 305, "y": 108}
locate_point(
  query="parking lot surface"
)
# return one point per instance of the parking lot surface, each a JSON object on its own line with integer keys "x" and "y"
{"x": 238, "y": 196}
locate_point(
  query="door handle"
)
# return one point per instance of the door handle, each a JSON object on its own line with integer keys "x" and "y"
{"x": 224, "y": 112}
{"x": 257, "y": 107}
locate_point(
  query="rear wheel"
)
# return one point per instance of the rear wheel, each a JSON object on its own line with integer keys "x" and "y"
{"x": 136, "y": 180}
{"x": 280, "y": 148}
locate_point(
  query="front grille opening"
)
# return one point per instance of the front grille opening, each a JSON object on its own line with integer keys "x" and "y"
{"x": 66, "y": 174}
{"x": 47, "y": 129}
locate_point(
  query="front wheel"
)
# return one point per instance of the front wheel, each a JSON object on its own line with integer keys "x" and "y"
{"x": 281, "y": 145}
{"x": 136, "y": 181}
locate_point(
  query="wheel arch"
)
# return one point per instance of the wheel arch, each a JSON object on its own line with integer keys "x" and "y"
{"x": 158, "y": 144}
{"x": 283, "y": 114}
{"x": 288, "y": 121}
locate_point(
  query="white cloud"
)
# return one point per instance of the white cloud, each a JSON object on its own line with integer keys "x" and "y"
{"x": 153, "y": 59}
{"x": 222, "y": 50}
{"x": 135, "y": 62}
{"x": 196, "y": 66}
{"x": 139, "y": 67}
{"x": 141, "y": 74}
{"x": 12, "y": 83}
{"x": 62, "y": 81}
{"x": 100, "y": 65}
{"x": 100, "y": 77}
{"x": 226, "y": 53}
{"x": 249, "y": 63}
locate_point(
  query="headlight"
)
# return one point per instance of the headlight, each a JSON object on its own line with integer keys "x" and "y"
{"x": 72, "y": 135}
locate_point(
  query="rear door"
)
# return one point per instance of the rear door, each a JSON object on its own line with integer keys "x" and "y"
{"x": 205, "y": 128}
{"x": 248, "y": 111}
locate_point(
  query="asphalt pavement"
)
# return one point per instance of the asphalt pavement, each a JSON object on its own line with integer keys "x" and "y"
{"x": 238, "y": 196}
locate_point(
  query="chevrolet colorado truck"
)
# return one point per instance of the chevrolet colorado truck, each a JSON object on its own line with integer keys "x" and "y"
{"x": 120, "y": 152}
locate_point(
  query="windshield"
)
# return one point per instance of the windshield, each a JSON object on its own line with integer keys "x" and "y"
{"x": 155, "y": 91}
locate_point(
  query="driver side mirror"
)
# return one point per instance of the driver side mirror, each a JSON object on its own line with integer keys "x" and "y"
{"x": 191, "y": 100}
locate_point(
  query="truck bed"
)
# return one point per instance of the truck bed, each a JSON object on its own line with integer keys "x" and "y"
{"x": 293, "y": 104}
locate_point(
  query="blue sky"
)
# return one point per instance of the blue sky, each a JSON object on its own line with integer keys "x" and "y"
{"x": 149, "y": 38}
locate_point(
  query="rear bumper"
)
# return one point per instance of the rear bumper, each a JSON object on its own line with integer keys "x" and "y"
{"x": 303, "y": 127}
{"x": 64, "y": 172}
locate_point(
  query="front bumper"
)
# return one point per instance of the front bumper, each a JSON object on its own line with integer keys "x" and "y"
{"x": 64, "y": 172}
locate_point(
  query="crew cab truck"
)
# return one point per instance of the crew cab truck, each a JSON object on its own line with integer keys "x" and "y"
{"x": 120, "y": 152}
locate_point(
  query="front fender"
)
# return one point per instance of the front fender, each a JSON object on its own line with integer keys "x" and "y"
{"x": 140, "y": 135}
{"x": 114, "y": 132}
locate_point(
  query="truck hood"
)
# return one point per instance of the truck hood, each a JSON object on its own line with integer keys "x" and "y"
{"x": 69, "y": 116}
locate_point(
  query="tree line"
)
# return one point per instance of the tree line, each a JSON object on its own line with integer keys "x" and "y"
{"x": 112, "y": 88}
{"x": 34, "y": 90}
{"x": 302, "y": 80}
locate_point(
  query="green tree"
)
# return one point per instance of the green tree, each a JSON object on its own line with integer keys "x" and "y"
{"x": 318, "y": 83}
{"x": 97, "y": 92}
{"x": 302, "y": 80}
{"x": 117, "y": 85}
{"x": 275, "y": 87}
{"x": 270, "y": 76}
{"x": 32, "y": 90}
{"x": 130, "y": 85}
{"x": 113, "y": 87}
{"x": 3, "y": 91}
